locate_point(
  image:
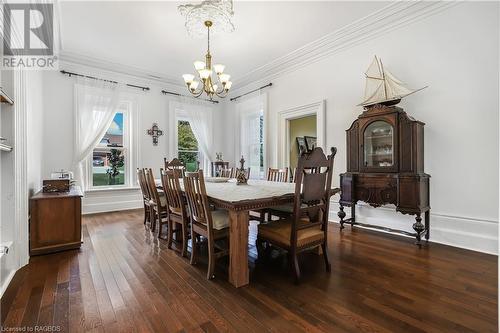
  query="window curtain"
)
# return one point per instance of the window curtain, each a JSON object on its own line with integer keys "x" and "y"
{"x": 96, "y": 103}
{"x": 200, "y": 117}
{"x": 251, "y": 113}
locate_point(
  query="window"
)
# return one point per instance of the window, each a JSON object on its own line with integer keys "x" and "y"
{"x": 187, "y": 146}
{"x": 252, "y": 142}
{"x": 109, "y": 157}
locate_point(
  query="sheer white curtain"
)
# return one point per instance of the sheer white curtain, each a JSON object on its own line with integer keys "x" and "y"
{"x": 251, "y": 115}
{"x": 200, "y": 117}
{"x": 95, "y": 106}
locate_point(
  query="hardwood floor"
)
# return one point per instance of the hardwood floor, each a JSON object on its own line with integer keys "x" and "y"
{"x": 125, "y": 280}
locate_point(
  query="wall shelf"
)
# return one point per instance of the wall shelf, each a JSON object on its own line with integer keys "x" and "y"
{"x": 4, "y": 147}
{"x": 4, "y": 98}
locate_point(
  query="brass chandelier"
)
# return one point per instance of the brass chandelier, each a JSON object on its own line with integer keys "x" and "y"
{"x": 218, "y": 86}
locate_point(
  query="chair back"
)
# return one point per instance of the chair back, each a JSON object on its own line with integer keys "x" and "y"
{"x": 196, "y": 194}
{"x": 312, "y": 189}
{"x": 150, "y": 181}
{"x": 226, "y": 172}
{"x": 172, "y": 188}
{"x": 277, "y": 175}
{"x": 142, "y": 183}
{"x": 176, "y": 165}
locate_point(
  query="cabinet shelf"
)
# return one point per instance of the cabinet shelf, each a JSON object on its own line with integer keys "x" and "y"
{"x": 4, "y": 147}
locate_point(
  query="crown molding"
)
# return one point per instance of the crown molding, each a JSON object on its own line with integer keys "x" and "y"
{"x": 385, "y": 20}
{"x": 68, "y": 57}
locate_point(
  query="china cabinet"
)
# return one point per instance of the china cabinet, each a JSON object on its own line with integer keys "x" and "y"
{"x": 385, "y": 165}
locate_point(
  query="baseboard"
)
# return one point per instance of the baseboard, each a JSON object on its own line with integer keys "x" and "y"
{"x": 458, "y": 231}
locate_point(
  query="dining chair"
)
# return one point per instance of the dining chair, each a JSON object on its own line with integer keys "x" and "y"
{"x": 308, "y": 225}
{"x": 146, "y": 198}
{"x": 277, "y": 175}
{"x": 210, "y": 224}
{"x": 273, "y": 175}
{"x": 226, "y": 172}
{"x": 159, "y": 210}
{"x": 176, "y": 208}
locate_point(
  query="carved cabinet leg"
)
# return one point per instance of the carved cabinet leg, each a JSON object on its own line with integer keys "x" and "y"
{"x": 353, "y": 214}
{"x": 427, "y": 224}
{"x": 341, "y": 214}
{"x": 418, "y": 227}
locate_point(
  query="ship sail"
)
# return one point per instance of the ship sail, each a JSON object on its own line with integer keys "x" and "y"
{"x": 382, "y": 86}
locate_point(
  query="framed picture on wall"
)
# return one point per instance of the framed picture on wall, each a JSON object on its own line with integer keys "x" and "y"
{"x": 301, "y": 142}
{"x": 310, "y": 142}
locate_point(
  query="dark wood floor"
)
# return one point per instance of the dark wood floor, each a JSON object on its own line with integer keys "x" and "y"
{"x": 125, "y": 280}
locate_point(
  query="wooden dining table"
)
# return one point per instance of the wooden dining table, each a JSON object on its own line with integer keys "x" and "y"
{"x": 239, "y": 200}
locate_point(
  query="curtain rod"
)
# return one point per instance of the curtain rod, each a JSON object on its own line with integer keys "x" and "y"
{"x": 267, "y": 85}
{"x": 99, "y": 79}
{"x": 164, "y": 92}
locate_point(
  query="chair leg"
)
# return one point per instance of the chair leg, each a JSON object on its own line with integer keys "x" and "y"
{"x": 184, "y": 240}
{"x": 325, "y": 256}
{"x": 295, "y": 264}
{"x": 153, "y": 220}
{"x": 170, "y": 233}
{"x": 262, "y": 216}
{"x": 194, "y": 247}
{"x": 145, "y": 214}
{"x": 258, "y": 245}
{"x": 211, "y": 260}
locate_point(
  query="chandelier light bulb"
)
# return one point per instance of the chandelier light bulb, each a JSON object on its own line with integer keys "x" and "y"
{"x": 219, "y": 69}
{"x": 188, "y": 78}
{"x": 228, "y": 85}
{"x": 194, "y": 85}
{"x": 199, "y": 65}
{"x": 224, "y": 78}
{"x": 214, "y": 87}
{"x": 205, "y": 73}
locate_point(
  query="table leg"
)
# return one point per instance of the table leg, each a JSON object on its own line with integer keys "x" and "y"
{"x": 238, "y": 248}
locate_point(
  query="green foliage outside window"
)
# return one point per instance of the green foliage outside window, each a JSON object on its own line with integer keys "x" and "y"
{"x": 187, "y": 145}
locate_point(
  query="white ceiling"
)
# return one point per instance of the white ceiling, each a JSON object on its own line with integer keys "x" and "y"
{"x": 151, "y": 35}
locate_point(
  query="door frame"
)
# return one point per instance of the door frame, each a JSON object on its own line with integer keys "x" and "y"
{"x": 317, "y": 109}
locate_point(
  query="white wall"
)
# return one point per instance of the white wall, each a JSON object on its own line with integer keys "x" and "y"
{"x": 455, "y": 52}
{"x": 59, "y": 133}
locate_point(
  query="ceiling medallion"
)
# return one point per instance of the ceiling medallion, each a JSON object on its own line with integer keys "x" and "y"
{"x": 218, "y": 86}
{"x": 219, "y": 12}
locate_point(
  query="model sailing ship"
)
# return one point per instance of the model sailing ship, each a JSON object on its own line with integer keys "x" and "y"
{"x": 385, "y": 155}
{"x": 382, "y": 87}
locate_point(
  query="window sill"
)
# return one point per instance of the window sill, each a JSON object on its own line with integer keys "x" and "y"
{"x": 112, "y": 189}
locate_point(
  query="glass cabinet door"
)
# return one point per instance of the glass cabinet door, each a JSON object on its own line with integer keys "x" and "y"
{"x": 379, "y": 145}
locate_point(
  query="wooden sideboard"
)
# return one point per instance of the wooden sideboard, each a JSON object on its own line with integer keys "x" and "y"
{"x": 385, "y": 165}
{"x": 55, "y": 221}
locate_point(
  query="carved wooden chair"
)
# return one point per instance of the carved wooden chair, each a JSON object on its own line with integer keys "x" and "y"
{"x": 308, "y": 225}
{"x": 146, "y": 197}
{"x": 159, "y": 210}
{"x": 176, "y": 207}
{"x": 211, "y": 224}
{"x": 273, "y": 175}
{"x": 227, "y": 172}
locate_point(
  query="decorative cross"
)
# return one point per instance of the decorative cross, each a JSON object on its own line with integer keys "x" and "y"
{"x": 155, "y": 132}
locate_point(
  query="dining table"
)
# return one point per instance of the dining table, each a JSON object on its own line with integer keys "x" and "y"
{"x": 239, "y": 200}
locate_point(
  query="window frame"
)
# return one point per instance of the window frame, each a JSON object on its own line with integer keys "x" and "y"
{"x": 126, "y": 109}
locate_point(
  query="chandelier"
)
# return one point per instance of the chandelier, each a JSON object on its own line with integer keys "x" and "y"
{"x": 218, "y": 86}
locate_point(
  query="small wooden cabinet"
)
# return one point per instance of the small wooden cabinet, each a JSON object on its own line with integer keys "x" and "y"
{"x": 385, "y": 165}
{"x": 55, "y": 222}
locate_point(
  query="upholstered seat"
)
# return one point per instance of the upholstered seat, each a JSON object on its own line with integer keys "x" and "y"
{"x": 220, "y": 219}
{"x": 280, "y": 232}
{"x": 284, "y": 208}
